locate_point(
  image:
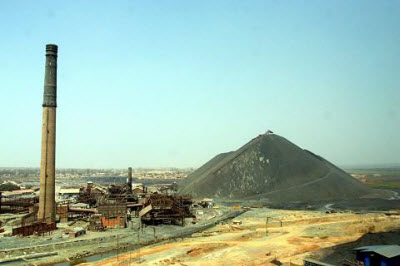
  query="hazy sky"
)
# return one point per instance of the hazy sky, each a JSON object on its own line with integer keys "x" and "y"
{"x": 173, "y": 83}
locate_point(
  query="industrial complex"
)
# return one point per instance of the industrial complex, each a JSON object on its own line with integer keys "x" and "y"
{"x": 267, "y": 203}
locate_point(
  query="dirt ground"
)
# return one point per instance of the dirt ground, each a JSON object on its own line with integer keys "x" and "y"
{"x": 251, "y": 242}
{"x": 70, "y": 251}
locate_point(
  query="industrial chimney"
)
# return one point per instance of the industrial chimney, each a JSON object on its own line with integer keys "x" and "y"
{"x": 130, "y": 178}
{"x": 47, "y": 204}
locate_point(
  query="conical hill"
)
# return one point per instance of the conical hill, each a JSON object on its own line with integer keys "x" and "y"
{"x": 271, "y": 167}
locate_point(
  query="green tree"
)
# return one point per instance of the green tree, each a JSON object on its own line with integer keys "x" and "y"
{"x": 8, "y": 187}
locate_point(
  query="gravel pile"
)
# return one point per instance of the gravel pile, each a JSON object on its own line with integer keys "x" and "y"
{"x": 273, "y": 168}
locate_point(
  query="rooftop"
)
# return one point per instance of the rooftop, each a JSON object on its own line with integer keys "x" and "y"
{"x": 69, "y": 191}
{"x": 18, "y": 192}
{"x": 388, "y": 251}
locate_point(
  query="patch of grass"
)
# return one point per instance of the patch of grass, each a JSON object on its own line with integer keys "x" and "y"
{"x": 384, "y": 178}
{"x": 384, "y": 185}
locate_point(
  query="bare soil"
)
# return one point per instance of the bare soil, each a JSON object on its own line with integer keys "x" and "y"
{"x": 304, "y": 234}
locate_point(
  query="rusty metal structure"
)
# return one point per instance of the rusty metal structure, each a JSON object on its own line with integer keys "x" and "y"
{"x": 47, "y": 203}
{"x": 121, "y": 193}
{"x": 95, "y": 223}
{"x": 113, "y": 213}
{"x": 66, "y": 213}
{"x": 90, "y": 195}
{"x": 17, "y": 205}
{"x": 166, "y": 209}
{"x": 39, "y": 228}
{"x": 62, "y": 212}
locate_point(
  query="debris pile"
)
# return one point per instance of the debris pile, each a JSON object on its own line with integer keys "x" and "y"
{"x": 271, "y": 167}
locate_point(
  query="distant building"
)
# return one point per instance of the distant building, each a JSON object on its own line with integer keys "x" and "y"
{"x": 68, "y": 194}
{"x": 10, "y": 182}
{"x": 236, "y": 222}
{"x": 138, "y": 188}
{"x": 79, "y": 205}
{"x": 93, "y": 190}
{"x": 207, "y": 203}
{"x": 19, "y": 194}
{"x": 77, "y": 231}
{"x": 113, "y": 214}
{"x": 382, "y": 255}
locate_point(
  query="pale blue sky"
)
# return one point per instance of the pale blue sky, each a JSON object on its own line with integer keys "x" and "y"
{"x": 173, "y": 83}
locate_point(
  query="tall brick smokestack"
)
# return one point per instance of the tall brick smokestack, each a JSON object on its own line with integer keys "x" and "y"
{"x": 47, "y": 204}
{"x": 130, "y": 177}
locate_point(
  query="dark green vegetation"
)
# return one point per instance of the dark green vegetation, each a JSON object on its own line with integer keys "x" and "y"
{"x": 385, "y": 185}
{"x": 385, "y": 178}
{"x": 271, "y": 167}
{"x": 8, "y": 187}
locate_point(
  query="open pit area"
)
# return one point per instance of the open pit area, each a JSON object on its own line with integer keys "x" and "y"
{"x": 248, "y": 240}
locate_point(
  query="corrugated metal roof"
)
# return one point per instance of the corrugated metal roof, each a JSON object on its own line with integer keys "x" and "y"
{"x": 388, "y": 251}
{"x": 18, "y": 192}
{"x": 69, "y": 191}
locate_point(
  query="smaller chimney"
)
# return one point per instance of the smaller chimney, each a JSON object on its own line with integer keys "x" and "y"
{"x": 130, "y": 177}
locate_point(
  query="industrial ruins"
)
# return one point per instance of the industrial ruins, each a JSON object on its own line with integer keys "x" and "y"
{"x": 222, "y": 212}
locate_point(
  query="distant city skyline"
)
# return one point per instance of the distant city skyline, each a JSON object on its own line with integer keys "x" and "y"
{"x": 172, "y": 84}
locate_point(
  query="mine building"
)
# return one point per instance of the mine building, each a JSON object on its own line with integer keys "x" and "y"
{"x": 18, "y": 194}
{"x": 76, "y": 232}
{"x": 80, "y": 205}
{"x": 138, "y": 188}
{"x": 165, "y": 209}
{"x": 113, "y": 213}
{"x": 207, "y": 203}
{"x": 91, "y": 194}
{"x": 71, "y": 194}
{"x": 17, "y": 201}
{"x": 381, "y": 255}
